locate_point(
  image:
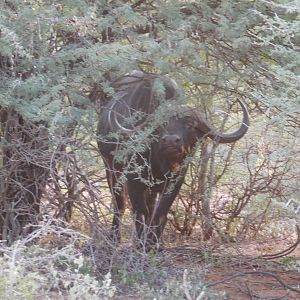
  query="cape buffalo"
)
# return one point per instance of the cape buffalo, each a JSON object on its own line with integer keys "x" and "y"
{"x": 150, "y": 171}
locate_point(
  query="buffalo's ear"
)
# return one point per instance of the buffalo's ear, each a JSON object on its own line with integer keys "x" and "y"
{"x": 189, "y": 121}
{"x": 195, "y": 124}
{"x": 198, "y": 119}
{"x": 202, "y": 124}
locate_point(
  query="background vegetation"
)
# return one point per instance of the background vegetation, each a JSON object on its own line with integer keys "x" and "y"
{"x": 57, "y": 60}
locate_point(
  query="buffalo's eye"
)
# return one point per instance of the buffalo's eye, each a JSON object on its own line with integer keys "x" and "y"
{"x": 190, "y": 126}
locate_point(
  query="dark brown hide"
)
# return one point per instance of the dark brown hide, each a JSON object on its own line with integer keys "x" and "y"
{"x": 155, "y": 177}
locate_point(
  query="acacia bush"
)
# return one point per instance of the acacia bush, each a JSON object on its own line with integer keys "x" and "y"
{"x": 55, "y": 76}
{"x": 57, "y": 63}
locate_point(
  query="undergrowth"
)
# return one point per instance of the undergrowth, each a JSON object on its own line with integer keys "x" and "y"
{"x": 56, "y": 262}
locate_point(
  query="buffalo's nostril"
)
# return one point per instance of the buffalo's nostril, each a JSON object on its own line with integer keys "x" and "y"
{"x": 175, "y": 139}
{"x": 172, "y": 139}
{"x": 166, "y": 138}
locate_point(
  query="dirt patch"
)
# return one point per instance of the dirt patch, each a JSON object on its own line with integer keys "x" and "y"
{"x": 245, "y": 283}
{"x": 247, "y": 270}
{"x": 242, "y": 271}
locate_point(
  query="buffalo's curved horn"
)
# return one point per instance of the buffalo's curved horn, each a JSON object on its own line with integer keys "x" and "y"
{"x": 135, "y": 94}
{"x": 114, "y": 119}
{"x": 114, "y": 114}
{"x": 215, "y": 134}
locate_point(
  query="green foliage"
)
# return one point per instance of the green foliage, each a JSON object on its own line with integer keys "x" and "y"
{"x": 234, "y": 46}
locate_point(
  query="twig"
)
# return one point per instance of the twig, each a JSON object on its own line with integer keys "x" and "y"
{"x": 286, "y": 251}
{"x": 185, "y": 286}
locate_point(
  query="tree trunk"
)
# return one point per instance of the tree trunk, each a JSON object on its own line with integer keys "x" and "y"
{"x": 207, "y": 228}
{"x": 23, "y": 174}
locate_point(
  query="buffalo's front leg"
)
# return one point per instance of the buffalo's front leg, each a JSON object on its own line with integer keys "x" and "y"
{"x": 119, "y": 208}
{"x": 118, "y": 204}
{"x": 137, "y": 192}
{"x": 165, "y": 201}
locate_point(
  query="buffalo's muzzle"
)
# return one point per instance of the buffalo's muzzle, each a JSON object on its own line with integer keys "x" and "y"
{"x": 171, "y": 144}
{"x": 171, "y": 140}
